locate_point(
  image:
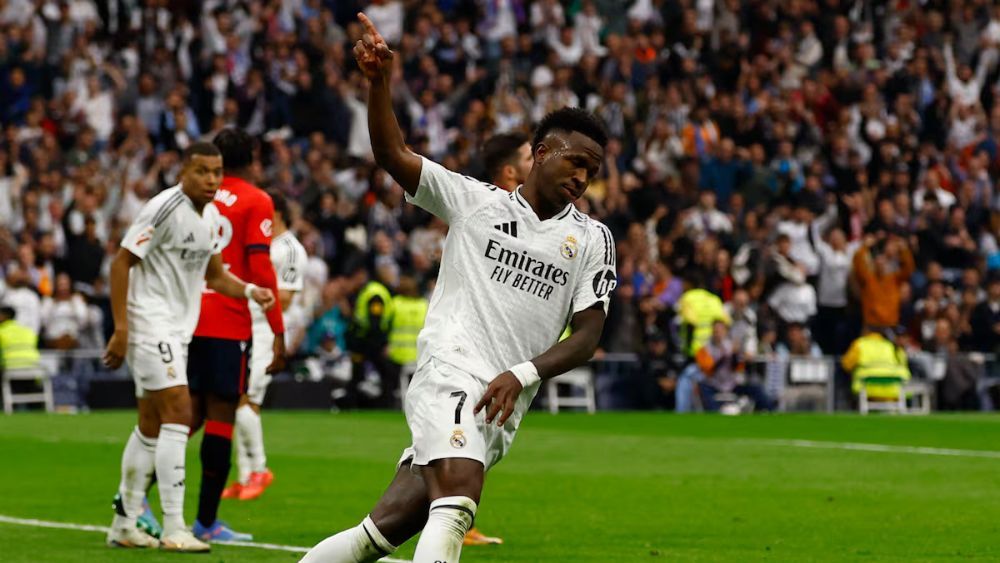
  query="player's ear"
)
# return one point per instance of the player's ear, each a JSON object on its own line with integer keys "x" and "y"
{"x": 540, "y": 151}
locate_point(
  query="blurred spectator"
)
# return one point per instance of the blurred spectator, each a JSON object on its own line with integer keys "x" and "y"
{"x": 791, "y": 297}
{"x": 66, "y": 316}
{"x": 722, "y": 368}
{"x": 835, "y": 254}
{"x": 26, "y": 304}
{"x": 881, "y": 268}
{"x": 985, "y": 319}
{"x": 798, "y": 342}
{"x": 743, "y": 332}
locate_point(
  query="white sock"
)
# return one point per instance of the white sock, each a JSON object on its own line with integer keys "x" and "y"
{"x": 360, "y": 544}
{"x": 170, "y": 458}
{"x": 251, "y": 438}
{"x": 138, "y": 463}
{"x": 240, "y": 440}
{"x": 448, "y": 520}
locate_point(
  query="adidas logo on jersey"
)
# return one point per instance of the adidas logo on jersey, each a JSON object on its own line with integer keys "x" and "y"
{"x": 509, "y": 228}
{"x": 189, "y": 238}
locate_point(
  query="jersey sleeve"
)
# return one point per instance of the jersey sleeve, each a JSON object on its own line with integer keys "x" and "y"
{"x": 260, "y": 220}
{"x": 291, "y": 269}
{"x": 447, "y": 194}
{"x": 150, "y": 227}
{"x": 599, "y": 277}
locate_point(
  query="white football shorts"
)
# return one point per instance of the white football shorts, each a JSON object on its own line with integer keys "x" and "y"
{"x": 157, "y": 364}
{"x": 438, "y": 406}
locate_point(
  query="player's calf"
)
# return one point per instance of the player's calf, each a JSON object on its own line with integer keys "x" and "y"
{"x": 360, "y": 544}
{"x": 447, "y": 522}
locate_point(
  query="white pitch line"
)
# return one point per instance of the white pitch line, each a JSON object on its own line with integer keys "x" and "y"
{"x": 882, "y": 448}
{"x": 102, "y": 529}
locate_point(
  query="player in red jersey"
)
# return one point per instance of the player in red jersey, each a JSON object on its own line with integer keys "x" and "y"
{"x": 220, "y": 350}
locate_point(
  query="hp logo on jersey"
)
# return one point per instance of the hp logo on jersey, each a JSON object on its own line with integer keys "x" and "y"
{"x": 605, "y": 282}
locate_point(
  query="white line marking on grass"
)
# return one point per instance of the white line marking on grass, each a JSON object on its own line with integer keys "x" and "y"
{"x": 883, "y": 448}
{"x": 102, "y": 529}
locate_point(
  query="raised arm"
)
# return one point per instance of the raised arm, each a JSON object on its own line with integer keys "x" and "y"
{"x": 376, "y": 60}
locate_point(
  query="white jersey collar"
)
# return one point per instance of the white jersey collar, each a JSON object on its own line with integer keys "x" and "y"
{"x": 524, "y": 203}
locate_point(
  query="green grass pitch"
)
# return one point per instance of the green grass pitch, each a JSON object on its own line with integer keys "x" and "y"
{"x": 610, "y": 487}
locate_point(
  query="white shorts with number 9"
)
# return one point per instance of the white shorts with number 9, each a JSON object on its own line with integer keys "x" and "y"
{"x": 438, "y": 406}
{"x": 157, "y": 364}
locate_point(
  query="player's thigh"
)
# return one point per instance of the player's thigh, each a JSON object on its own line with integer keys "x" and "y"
{"x": 220, "y": 409}
{"x": 401, "y": 512}
{"x": 149, "y": 419}
{"x": 449, "y": 477}
{"x": 219, "y": 366}
{"x": 172, "y": 405}
{"x": 439, "y": 411}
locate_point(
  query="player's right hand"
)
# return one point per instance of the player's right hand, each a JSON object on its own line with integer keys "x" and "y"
{"x": 278, "y": 355}
{"x": 372, "y": 52}
{"x": 263, "y": 297}
{"x": 500, "y": 397}
{"x": 114, "y": 354}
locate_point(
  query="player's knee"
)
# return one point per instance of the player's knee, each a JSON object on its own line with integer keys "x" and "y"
{"x": 455, "y": 514}
{"x": 174, "y": 406}
{"x": 220, "y": 409}
{"x": 149, "y": 426}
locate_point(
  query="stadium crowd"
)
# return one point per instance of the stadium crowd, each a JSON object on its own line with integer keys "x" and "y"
{"x": 819, "y": 165}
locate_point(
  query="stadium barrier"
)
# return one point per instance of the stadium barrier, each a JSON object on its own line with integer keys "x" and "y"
{"x": 80, "y": 381}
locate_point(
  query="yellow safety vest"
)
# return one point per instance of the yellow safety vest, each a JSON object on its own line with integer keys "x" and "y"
{"x": 18, "y": 346}
{"x": 407, "y": 319}
{"x": 699, "y": 309}
{"x": 361, "y": 320}
{"x": 878, "y": 357}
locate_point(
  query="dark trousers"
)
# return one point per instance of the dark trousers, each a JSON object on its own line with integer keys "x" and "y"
{"x": 831, "y": 329}
{"x": 755, "y": 392}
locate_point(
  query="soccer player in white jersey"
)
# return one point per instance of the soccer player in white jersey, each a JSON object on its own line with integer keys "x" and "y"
{"x": 516, "y": 267}
{"x": 289, "y": 259}
{"x": 165, "y": 258}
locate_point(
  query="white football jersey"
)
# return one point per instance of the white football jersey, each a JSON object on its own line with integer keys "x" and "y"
{"x": 509, "y": 283}
{"x": 289, "y": 259}
{"x": 175, "y": 243}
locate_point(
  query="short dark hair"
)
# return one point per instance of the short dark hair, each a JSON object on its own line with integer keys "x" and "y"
{"x": 236, "y": 146}
{"x": 571, "y": 119}
{"x": 500, "y": 150}
{"x": 201, "y": 148}
{"x": 281, "y": 205}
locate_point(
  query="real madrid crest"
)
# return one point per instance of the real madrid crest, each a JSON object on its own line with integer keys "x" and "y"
{"x": 568, "y": 248}
{"x": 458, "y": 439}
{"x": 170, "y": 372}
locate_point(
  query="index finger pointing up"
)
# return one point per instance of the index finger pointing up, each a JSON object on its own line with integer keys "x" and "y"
{"x": 369, "y": 26}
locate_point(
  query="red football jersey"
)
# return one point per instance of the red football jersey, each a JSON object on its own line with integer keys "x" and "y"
{"x": 247, "y": 213}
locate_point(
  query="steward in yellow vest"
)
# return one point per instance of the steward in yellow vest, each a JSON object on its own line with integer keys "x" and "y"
{"x": 409, "y": 311}
{"x": 18, "y": 343}
{"x": 698, "y": 310}
{"x": 874, "y": 355}
{"x": 367, "y": 341}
